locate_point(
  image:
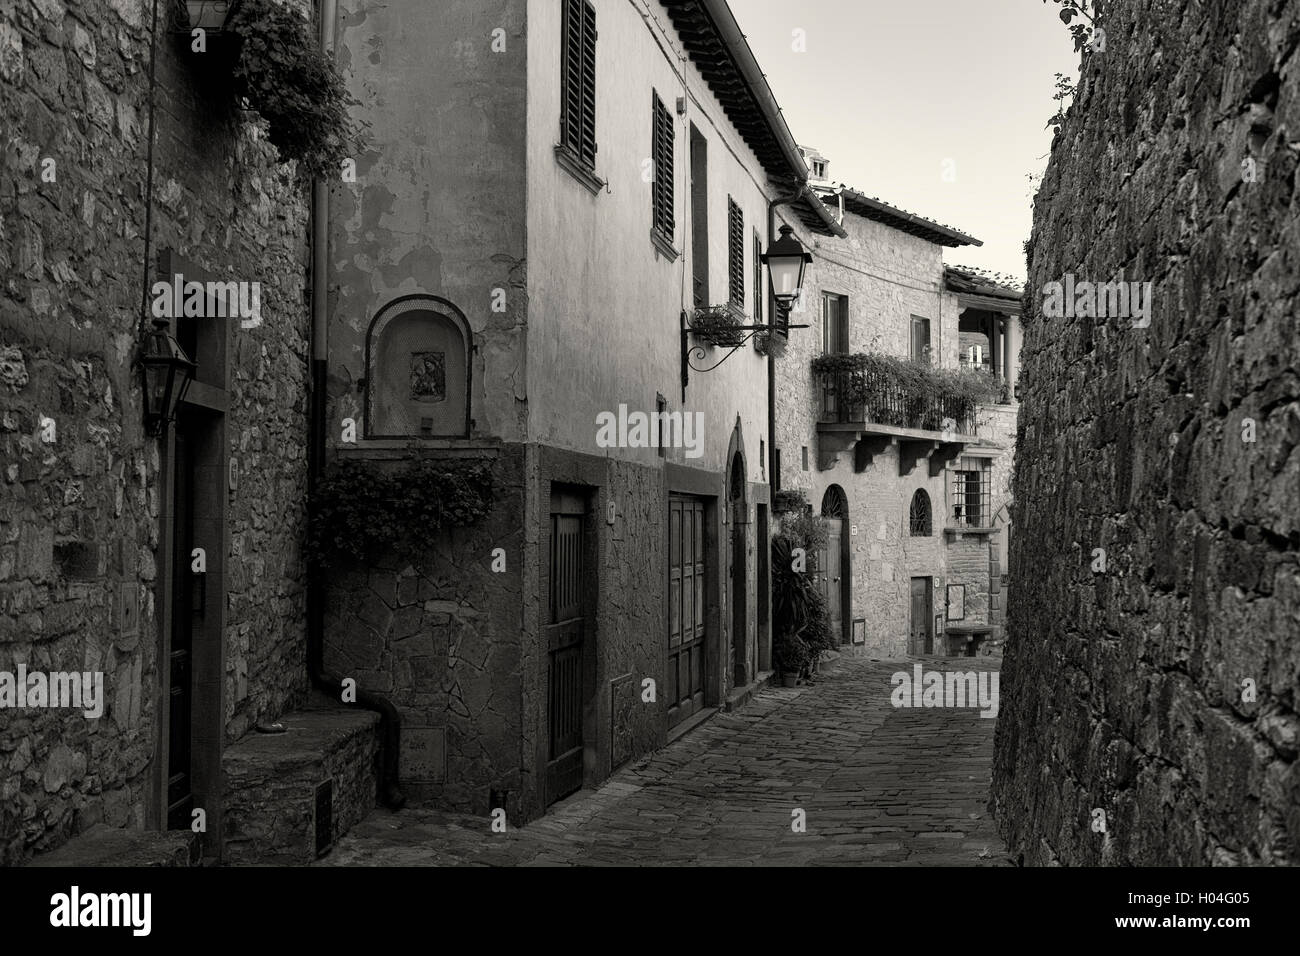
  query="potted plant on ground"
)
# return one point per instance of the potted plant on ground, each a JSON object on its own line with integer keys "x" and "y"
{"x": 790, "y": 654}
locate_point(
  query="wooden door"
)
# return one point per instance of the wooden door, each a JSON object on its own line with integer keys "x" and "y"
{"x": 830, "y": 574}
{"x": 187, "y": 616}
{"x": 564, "y": 632}
{"x": 922, "y": 638}
{"x": 684, "y": 671}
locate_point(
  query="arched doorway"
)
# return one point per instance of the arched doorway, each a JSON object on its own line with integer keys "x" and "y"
{"x": 833, "y": 573}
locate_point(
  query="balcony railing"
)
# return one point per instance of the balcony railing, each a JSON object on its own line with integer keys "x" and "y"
{"x": 896, "y": 393}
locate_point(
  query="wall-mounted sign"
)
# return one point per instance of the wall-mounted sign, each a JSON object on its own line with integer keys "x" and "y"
{"x": 956, "y": 602}
{"x": 860, "y": 630}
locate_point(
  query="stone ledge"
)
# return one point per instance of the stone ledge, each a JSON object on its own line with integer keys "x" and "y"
{"x": 270, "y": 783}
{"x": 108, "y": 846}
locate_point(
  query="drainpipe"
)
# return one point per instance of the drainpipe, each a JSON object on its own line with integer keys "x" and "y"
{"x": 390, "y": 720}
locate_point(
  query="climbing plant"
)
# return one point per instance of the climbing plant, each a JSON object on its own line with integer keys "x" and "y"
{"x": 365, "y": 509}
{"x": 282, "y": 73}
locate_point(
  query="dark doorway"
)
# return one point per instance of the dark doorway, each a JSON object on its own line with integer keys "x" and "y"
{"x": 833, "y": 561}
{"x": 565, "y": 630}
{"x": 188, "y": 606}
{"x": 741, "y": 646}
{"x": 922, "y": 636}
{"x": 687, "y": 628}
{"x": 764, "y": 636}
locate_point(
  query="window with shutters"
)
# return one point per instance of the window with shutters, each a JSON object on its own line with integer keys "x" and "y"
{"x": 920, "y": 350}
{"x": 578, "y": 92}
{"x": 661, "y": 185}
{"x": 758, "y": 279}
{"x": 735, "y": 255}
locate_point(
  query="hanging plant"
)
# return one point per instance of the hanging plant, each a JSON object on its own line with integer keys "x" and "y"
{"x": 717, "y": 325}
{"x": 284, "y": 76}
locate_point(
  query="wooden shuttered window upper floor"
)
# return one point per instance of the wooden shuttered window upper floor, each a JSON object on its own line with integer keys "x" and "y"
{"x": 735, "y": 255}
{"x": 577, "y": 147}
{"x": 663, "y": 174}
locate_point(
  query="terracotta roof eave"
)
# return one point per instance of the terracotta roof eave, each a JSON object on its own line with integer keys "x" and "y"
{"x": 717, "y": 46}
{"x": 905, "y": 221}
{"x": 822, "y": 220}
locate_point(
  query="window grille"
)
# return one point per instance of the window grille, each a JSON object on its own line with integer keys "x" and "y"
{"x": 919, "y": 517}
{"x": 970, "y": 494}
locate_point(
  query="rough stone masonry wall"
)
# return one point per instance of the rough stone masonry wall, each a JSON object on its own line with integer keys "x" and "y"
{"x": 1123, "y": 688}
{"x": 79, "y": 516}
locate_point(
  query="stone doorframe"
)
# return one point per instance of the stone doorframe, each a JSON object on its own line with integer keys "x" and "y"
{"x": 207, "y": 401}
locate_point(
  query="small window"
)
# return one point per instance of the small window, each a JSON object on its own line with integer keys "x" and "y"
{"x": 970, "y": 494}
{"x": 919, "y": 519}
{"x": 578, "y": 82}
{"x": 735, "y": 255}
{"x": 661, "y": 186}
{"x": 819, "y": 169}
{"x": 758, "y": 279}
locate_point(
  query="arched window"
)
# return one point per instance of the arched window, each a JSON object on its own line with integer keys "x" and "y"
{"x": 918, "y": 519}
{"x": 418, "y": 370}
{"x": 835, "y": 504}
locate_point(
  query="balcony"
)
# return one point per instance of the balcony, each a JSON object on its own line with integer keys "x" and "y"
{"x": 869, "y": 402}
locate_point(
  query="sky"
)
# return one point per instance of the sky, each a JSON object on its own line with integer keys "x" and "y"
{"x": 888, "y": 90}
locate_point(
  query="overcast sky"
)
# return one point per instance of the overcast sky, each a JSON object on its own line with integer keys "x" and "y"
{"x": 889, "y": 89}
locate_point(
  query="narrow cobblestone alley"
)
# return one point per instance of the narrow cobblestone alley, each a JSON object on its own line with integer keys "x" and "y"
{"x": 879, "y": 785}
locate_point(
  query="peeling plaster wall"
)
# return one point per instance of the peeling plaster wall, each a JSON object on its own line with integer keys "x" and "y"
{"x": 438, "y": 205}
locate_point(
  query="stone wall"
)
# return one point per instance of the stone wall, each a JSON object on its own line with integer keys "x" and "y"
{"x": 79, "y": 515}
{"x": 1162, "y": 688}
{"x": 439, "y": 634}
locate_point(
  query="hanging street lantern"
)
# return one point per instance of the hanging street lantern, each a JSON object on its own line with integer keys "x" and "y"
{"x": 786, "y": 260}
{"x": 167, "y": 372}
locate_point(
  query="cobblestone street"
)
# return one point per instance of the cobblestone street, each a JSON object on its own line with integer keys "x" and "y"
{"x": 878, "y": 785}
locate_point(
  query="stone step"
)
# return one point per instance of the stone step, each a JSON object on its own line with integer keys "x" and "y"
{"x": 272, "y": 781}
{"x": 109, "y": 846}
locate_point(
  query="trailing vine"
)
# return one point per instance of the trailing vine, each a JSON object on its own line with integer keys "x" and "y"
{"x": 363, "y": 509}
{"x": 895, "y": 391}
{"x": 284, "y": 76}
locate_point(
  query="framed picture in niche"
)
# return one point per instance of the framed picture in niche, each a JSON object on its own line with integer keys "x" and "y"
{"x": 956, "y": 602}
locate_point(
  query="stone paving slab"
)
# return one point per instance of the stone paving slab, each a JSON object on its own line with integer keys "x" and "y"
{"x": 878, "y": 786}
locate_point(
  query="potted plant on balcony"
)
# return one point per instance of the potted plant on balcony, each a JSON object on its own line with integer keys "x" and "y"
{"x": 717, "y": 325}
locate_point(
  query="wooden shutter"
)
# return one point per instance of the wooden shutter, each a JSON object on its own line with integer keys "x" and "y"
{"x": 661, "y": 190}
{"x": 735, "y": 254}
{"x": 758, "y": 279}
{"x": 578, "y": 82}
